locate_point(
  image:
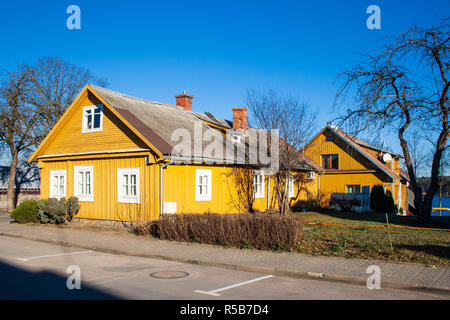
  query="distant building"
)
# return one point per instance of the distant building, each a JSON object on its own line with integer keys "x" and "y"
{"x": 352, "y": 165}
{"x": 27, "y": 184}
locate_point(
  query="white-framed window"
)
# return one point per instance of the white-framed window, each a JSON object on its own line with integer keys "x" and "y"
{"x": 58, "y": 183}
{"x": 291, "y": 186}
{"x": 258, "y": 185}
{"x": 310, "y": 175}
{"x": 92, "y": 118}
{"x": 203, "y": 185}
{"x": 128, "y": 185}
{"x": 83, "y": 182}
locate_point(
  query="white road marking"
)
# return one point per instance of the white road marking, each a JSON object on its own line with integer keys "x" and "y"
{"x": 54, "y": 255}
{"x": 214, "y": 292}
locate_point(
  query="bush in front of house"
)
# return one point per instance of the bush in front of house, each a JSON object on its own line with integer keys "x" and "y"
{"x": 72, "y": 208}
{"x": 259, "y": 231}
{"x": 57, "y": 211}
{"x": 26, "y": 212}
{"x": 389, "y": 202}
{"x": 377, "y": 198}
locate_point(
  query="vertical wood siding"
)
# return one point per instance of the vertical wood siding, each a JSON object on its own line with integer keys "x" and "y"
{"x": 180, "y": 185}
{"x": 114, "y": 134}
{"x": 105, "y": 205}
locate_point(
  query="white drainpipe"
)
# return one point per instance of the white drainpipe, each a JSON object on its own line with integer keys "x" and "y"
{"x": 161, "y": 184}
{"x": 318, "y": 185}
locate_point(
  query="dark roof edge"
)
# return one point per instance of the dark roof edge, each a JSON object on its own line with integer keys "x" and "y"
{"x": 360, "y": 152}
{"x": 158, "y": 142}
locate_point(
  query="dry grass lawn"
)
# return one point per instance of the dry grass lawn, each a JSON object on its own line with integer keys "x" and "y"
{"x": 429, "y": 247}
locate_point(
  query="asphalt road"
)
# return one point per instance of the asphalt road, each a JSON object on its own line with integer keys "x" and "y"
{"x": 37, "y": 270}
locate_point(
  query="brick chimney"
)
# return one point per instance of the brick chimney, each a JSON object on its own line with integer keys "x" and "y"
{"x": 240, "y": 118}
{"x": 185, "y": 101}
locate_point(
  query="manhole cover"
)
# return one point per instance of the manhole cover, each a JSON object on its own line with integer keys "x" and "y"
{"x": 169, "y": 274}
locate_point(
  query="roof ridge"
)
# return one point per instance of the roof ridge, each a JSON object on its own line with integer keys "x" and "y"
{"x": 363, "y": 142}
{"x": 123, "y": 95}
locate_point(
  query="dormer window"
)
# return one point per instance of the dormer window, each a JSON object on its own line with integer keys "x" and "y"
{"x": 92, "y": 118}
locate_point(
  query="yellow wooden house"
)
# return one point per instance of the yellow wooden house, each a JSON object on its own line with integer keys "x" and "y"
{"x": 124, "y": 159}
{"x": 351, "y": 165}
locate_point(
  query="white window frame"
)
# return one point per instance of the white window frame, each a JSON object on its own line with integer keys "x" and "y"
{"x": 85, "y": 129}
{"x": 199, "y": 175}
{"x": 59, "y": 173}
{"x": 121, "y": 193}
{"x": 291, "y": 186}
{"x": 310, "y": 175}
{"x": 81, "y": 194}
{"x": 258, "y": 186}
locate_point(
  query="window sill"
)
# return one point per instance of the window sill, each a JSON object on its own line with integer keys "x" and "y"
{"x": 129, "y": 200}
{"x": 202, "y": 199}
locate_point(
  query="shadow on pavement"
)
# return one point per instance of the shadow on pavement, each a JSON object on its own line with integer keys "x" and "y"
{"x": 17, "y": 283}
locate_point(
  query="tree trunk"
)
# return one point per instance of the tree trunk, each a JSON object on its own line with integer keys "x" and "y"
{"x": 12, "y": 181}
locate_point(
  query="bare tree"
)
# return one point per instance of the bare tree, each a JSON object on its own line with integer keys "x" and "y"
{"x": 55, "y": 84}
{"x": 417, "y": 149}
{"x": 17, "y": 122}
{"x": 443, "y": 173}
{"x": 405, "y": 86}
{"x": 31, "y": 102}
{"x": 243, "y": 182}
{"x": 295, "y": 121}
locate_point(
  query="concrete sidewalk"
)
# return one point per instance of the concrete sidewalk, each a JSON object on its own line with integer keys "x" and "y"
{"x": 393, "y": 275}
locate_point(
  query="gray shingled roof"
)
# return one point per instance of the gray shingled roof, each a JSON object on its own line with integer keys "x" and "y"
{"x": 162, "y": 118}
{"x": 158, "y": 121}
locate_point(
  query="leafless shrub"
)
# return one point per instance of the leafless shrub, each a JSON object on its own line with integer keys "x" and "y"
{"x": 243, "y": 182}
{"x": 259, "y": 231}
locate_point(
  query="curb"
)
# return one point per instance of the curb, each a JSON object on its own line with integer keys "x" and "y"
{"x": 264, "y": 270}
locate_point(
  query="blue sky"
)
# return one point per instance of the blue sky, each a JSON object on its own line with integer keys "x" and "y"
{"x": 215, "y": 50}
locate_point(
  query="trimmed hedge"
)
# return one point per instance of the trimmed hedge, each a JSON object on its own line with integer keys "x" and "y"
{"x": 26, "y": 212}
{"x": 259, "y": 231}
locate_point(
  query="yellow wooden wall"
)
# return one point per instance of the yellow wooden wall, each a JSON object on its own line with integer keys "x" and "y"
{"x": 70, "y": 139}
{"x": 105, "y": 205}
{"x": 179, "y": 187}
{"x": 348, "y": 158}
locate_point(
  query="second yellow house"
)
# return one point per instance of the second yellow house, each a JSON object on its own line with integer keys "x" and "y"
{"x": 352, "y": 165}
